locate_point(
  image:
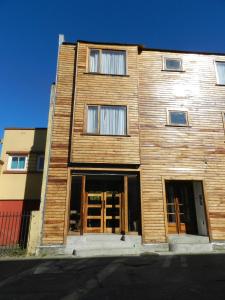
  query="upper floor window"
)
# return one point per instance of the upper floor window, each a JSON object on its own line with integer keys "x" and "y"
{"x": 172, "y": 64}
{"x": 40, "y": 162}
{"x": 17, "y": 162}
{"x": 178, "y": 118}
{"x": 107, "y": 62}
{"x": 107, "y": 120}
{"x": 220, "y": 71}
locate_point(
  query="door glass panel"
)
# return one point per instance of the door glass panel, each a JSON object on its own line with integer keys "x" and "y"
{"x": 181, "y": 208}
{"x": 94, "y": 223}
{"x": 94, "y": 211}
{"x": 172, "y": 218}
{"x": 170, "y": 208}
{"x": 94, "y": 199}
{"x": 112, "y": 223}
{"x": 114, "y": 211}
{"x": 182, "y": 218}
{"x": 112, "y": 200}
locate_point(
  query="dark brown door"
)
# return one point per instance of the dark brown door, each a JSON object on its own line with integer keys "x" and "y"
{"x": 175, "y": 209}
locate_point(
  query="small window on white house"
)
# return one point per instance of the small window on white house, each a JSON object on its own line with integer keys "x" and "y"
{"x": 107, "y": 120}
{"x": 172, "y": 64}
{"x": 17, "y": 162}
{"x": 220, "y": 71}
{"x": 178, "y": 118}
{"x": 40, "y": 162}
{"x": 111, "y": 62}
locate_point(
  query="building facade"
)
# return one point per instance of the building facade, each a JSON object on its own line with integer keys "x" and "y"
{"x": 22, "y": 162}
{"x": 136, "y": 146}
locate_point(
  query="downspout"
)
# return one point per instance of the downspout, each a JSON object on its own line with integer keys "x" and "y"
{"x": 48, "y": 145}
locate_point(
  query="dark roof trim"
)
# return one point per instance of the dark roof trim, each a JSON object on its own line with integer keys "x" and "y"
{"x": 142, "y": 48}
{"x": 108, "y": 43}
{"x": 183, "y": 51}
{"x": 68, "y": 43}
{"x": 23, "y": 128}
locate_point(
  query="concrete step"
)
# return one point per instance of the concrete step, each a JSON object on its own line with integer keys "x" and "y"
{"x": 102, "y": 238}
{"x": 105, "y": 252}
{"x": 190, "y": 248}
{"x": 187, "y": 243}
{"x": 187, "y": 238}
{"x": 103, "y": 244}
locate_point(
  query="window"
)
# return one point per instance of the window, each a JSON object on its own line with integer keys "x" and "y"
{"x": 179, "y": 118}
{"x": 107, "y": 62}
{"x": 40, "y": 162}
{"x": 220, "y": 71}
{"x": 17, "y": 163}
{"x": 172, "y": 64}
{"x": 107, "y": 120}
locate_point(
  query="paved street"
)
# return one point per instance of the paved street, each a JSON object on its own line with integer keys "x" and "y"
{"x": 147, "y": 277}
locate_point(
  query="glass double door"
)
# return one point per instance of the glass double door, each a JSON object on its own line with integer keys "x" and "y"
{"x": 102, "y": 211}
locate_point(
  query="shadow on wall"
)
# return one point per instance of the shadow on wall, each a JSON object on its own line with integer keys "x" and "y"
{"x": 33, "y": 184}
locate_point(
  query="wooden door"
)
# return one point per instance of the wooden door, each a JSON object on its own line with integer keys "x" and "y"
{"x": 175, "y": 211}
{"x": 102, "y": 212}
{"x": 93, "y": 212}
{"x": 112, "y": 212}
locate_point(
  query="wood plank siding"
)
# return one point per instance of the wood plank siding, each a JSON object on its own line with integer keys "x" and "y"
{"x": 106, "y": 90}
{"x": 56, "y": 192}
{"x": 193, "y": 152}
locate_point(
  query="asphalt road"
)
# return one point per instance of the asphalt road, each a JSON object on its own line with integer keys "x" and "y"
{"x": 147, "y": 277}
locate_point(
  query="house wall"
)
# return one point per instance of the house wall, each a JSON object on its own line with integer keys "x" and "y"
{"x": 55, "y": 196}
{"x": 24, "y": 185}
{"x": 105, "y": 90}
{"x": 192, "y": 152}
{"x": 195, "y": 152}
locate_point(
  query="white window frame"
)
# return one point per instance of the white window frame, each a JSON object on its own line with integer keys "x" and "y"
{"x": 99, "y": 119}
{"x": 38, "y": 162}
{"x": 172, "y": 58}
{"x": 100, "y": 61}
{"x": 10, "y": 162}
{"x": 177, "y": 124}
{"x": 217, "y": 76}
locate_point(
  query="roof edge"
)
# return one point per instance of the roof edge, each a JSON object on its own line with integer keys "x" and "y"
{"x": 24, "y": 128}
{"x": 143, "y": 48}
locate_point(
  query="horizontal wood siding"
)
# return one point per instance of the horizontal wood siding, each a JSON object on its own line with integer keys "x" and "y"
{"x": 181, "y": 152}
{"x": 55, "y": 206}
{"x": 112, "y": 90}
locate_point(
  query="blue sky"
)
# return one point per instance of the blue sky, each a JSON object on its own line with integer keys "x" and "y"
{"x": 29, "y": 35}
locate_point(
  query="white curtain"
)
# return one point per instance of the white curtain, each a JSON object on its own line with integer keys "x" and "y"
{"x": 113, "y": 120}
{"x": 92, "y": 120}
{"x": 221, "y": 72}
{"x": 94, "y": 61}
{"x": 113, "y": 62}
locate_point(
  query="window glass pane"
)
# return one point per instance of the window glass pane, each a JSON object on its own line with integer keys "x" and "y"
{"x": 21, "y": 164}
{"x": 173, "y": 64}
{"x": 178, "y": 117}
{"x": 94, "y": 60}
{"x": 113, "y": 120}
{"x": 40, "y": 162}
{"x": 113, "y": 62}
{"x": 92, "y": 121}
{"x": 220, "y": 72}
{"x": 14, "y": 163}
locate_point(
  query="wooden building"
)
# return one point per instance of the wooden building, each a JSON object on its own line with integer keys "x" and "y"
{"x": 137, "y": 145}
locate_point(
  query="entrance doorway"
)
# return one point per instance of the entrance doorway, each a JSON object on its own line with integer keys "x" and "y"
{"x": 104, "y": 203}
{"x": 185, "y": 207}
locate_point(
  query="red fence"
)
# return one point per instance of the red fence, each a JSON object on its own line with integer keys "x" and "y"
{"x": 14, "y": 229}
